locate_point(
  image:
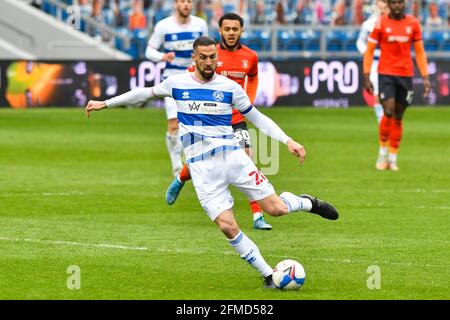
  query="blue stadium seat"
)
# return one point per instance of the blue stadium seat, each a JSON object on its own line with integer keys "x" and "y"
{"x": 108, "y": 16}
{"x": 311, "y": 39}
{"x": 215, "y": 35}
{"x": 119, "y": 44}
{"x": 296, "y": 42}
{"x": 433, "y": 40}
{"x": 244, "y": 37}
{"x": 335, "y": 40}
{"x": 138, "y": 44}
{"x": 259, "y": 40}
{"x": 350, "y": 40}
{"x": 283, "y": 37}
{"x": 446, "y": 41}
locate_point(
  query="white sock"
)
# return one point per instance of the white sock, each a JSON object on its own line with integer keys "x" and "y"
{"x": 378, "y": 108}
{"x": 257, "y": 215}
{"x": 393, "y": 157}
{"x": 248, "y": 251}
{"x": 175, "y": 149}
{"x": 296, "y": 203}
{"x": 383, "y": 151}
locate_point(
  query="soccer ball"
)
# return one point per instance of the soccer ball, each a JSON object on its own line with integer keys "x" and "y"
{"x": 288, "y": 275}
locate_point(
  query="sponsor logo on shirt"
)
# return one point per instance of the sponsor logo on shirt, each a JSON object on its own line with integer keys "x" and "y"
{"x": 401, "y": 39}
{"x": 234, "y": 74}
{"x": 194, "y": 106}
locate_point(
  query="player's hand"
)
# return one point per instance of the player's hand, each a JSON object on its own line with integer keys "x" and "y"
{"x": 169, "y": 56}
{"x": 93, "y": 105}
{"x": 297, "y": 150}
{"x": 427, "y": 85}
{"x": 368, "y": 84}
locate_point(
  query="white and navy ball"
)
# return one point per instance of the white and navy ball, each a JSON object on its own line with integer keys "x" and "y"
{"x": 288, "y": 275}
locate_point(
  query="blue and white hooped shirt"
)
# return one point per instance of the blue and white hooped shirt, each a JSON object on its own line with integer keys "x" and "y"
{"x": 204, "y": 112}
{"x": 179, "y": 39}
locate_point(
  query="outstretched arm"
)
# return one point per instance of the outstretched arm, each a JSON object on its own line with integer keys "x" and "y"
{"x": 134, "y": 96}
{"x": 270, "y": 128}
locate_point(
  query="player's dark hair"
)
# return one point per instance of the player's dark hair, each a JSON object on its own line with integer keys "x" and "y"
{"x": 231, "y": 16}
{"x": 203, "y": 41}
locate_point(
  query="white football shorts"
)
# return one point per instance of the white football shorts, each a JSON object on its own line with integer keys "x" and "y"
{"x": 212, "y": 176}
{"x": 171, "y": 108}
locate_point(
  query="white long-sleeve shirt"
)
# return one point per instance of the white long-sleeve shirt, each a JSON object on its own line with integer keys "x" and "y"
{"x": 366, "y": 29}
{"x": 204, "y": 112}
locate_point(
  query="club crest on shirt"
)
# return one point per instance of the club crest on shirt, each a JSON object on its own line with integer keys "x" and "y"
{"x": 245, "y": 64}
{"x": 408, "y": 30}
{"x": 388, "y": 30}
{"x": 218, "y": 96}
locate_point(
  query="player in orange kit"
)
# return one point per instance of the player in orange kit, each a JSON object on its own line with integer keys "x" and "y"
{"x": 239, "y": 63}
{"x": 395, "y": 33}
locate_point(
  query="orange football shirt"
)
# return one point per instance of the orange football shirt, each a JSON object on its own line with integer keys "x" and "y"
{"x": 237, "y": 65}
{"x": 395, "y": 38}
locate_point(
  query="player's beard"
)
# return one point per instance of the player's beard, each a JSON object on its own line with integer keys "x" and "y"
{"x": 206, "y": 76}
{"x": 182, "y": 14}
{"x": 231, "y": 46}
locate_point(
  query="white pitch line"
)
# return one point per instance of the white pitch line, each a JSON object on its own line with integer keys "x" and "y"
{"x": 433, "y": 207}
{"x": 202, "y": 252}
{"x": 71, "y": 243}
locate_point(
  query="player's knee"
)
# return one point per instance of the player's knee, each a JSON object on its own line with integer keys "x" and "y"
{"x": 276, "y": 209}
{"x": 229, "y": 228}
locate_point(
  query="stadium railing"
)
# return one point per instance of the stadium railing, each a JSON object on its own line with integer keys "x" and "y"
{"x": 286, "y": 42}
{"x": 70, "y": 14}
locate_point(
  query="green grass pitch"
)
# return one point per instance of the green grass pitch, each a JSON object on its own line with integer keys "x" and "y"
{"x": 90, "y": 193}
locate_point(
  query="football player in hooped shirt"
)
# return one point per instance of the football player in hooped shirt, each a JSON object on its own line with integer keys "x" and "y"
{"x": 395, "y": 33}
{"x": 240, "y": 64}
{"x": 214, "y": 156}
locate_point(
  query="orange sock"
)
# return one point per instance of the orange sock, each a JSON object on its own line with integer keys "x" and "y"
{"x": 385, "y": 130}
{"x": 185, "y": 175}
{"x": 396, "y": 135}
{"x": 255, "y": 207}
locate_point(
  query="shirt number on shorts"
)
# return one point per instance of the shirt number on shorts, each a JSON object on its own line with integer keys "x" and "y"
{"x": 259, "y": 177}
{"x": 242, "y": 135}
{"x": 409, "y": 97}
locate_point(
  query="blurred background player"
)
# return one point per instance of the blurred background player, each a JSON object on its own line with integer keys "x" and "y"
{"x": 239, "y": 63}
{"x": 176, "y": 34}
{"x": 380, "y": 8}
{"x": 395, "y": 33}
